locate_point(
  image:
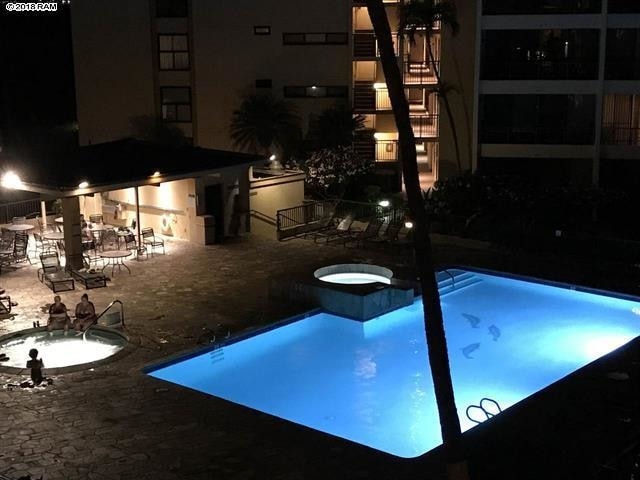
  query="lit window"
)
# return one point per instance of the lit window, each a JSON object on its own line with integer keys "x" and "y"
{"x": 174, "y": 52}
{"x": 315, "y": 38}
{"x": 262, "y": 30}
{"x": 176, "y": 104}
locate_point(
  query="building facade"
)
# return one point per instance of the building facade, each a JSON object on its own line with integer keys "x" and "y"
{"x": 558, "y": 90}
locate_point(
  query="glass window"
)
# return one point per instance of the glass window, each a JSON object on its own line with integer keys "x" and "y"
{"x": 623, "y": 6}
{"x": 176, "y": 104}
{"x": 623, "y": 54}
{"x": 525, "y": 7}
{"x": 173, "y": 52}
{"x": 262, "y": 30}
{"x": 171, "y": 8}
{"x": 315, "y": 38}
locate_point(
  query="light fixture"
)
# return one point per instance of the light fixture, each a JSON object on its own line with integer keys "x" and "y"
{"x": 11, "y": 180}
{"x": 408, "y": 224}
{"x": 83, "y": 184}
{"x": 155, "y": 174}
{"x": 384, "y": 203}
{"x": 313, "y": 87}
{"x": 379, "y": 86}
{"x": 272, "y": 157}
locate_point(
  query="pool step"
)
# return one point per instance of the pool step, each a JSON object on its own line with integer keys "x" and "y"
{"x": 460, "y": 280}
{"x": 216, "y": 355}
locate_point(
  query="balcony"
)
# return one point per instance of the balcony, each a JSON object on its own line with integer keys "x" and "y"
{"x": 386, "y": 151}
{"x": 617, "y": 134}
{"x": 419, "y": 73}
{"x": 536, "y": 135}
{"x": 364, "y": 97}
{"x": 498, "y": 69}
{"x": 365, "y": 45}
{"x": 425, "y": 126}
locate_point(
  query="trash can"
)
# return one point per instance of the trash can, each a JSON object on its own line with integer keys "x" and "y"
{"x": 205, "y": 226}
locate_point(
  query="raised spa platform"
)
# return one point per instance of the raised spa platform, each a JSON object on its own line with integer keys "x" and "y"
{"x": 353, "y": 290}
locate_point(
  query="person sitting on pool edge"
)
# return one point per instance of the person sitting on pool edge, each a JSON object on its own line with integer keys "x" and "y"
{"x": 85, "y": 314}
{"x": 58, "y": 315}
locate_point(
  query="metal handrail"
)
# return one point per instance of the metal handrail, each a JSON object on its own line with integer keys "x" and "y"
{"x": 108, "y": 307}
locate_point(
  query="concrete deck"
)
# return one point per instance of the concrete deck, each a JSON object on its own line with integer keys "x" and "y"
{"x": 117, "y": 423}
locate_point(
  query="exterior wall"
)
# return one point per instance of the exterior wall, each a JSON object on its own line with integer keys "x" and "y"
{"x": 270, "y": 194}
{"x": 229, "y": 57}
{"x": 113, "y": 69}
{"x": 168, "y": 208}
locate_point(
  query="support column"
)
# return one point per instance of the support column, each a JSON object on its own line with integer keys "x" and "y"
{"x": 72, "y": 231}
{"x": 243, "y": 191}
{"x": 43, "y": 213}
{"x": 138, "y": 219}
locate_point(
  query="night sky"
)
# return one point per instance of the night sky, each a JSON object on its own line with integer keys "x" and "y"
{"x": 36, "y": 72}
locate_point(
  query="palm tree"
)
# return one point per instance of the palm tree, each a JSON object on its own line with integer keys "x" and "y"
{"x": 263, "y": 122}
{"x": 433, "y": 319}
{"x": 423, "y": 16}
{"x": 334, "y": 127}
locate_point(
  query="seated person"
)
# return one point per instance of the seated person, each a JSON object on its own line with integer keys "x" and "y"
{"x": 85, "y": 314}
{"x": 58, "y": 317}
{"x": 36, "y": 365}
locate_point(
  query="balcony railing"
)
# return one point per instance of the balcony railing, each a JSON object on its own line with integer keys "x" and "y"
{"x": 425, "y": 126}
{"x": 537, "y": 135}
{"x": 386, "y": 150}
{"x": 419, "y": 73}
{"x": 498, "y": 69}
{"x": 616, "y": 134}
{"x": 622, "y": 70}
{"x": 364, "y": 97}
{"x": 365, "y": 45}
{"x": 24, "y": 208}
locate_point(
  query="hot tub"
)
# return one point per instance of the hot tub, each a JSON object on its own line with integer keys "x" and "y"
{"x": 354, "y": 274}
{"x": 58, "y": 350}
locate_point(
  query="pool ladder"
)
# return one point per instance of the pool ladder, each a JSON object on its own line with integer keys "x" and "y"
{"x": 483, "y": 409}
{"x": 115, "y": 319}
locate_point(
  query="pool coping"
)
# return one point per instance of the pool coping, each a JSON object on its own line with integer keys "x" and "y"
{"x": 133, "y": 342}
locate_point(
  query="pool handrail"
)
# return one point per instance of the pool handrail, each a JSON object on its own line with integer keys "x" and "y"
{"x": 109, "y": 307}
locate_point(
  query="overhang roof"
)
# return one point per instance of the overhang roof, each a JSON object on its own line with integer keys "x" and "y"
{"x": 125, "y": 163}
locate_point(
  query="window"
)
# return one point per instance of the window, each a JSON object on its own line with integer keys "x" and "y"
{"x": 263, "y": 83}
{"x": 623, "y": 54}
{"x": 176, "y": 104}
{"x": 171, "y": 8}
{"x": 262, "y": 30}
{"x": 316, "y": 91}
{"x": 524, "y": 7}
{"x": 624, "y": 6}
{"x": 315, "y": 38}
{"x": 173, "y": 51}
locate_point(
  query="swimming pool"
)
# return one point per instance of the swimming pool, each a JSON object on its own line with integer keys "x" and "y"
{"x": 369, "y": 382}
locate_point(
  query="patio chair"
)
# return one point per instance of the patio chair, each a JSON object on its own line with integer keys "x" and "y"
{"x": 358, "y": 238}
{"x": 149, "y": 239}
{"x": 6, "y": 239}
{"x": 41, "y": 245}
{"x": 333, "y": 231}
{"x": 53, "y": 275}
{"x": 20, "y": 247}
{"x": 18, "y": 220}
{"x": 90, "y": 278}
{"x": 96, "y": 218}
{"x": 90, "y": 254}
{"x": 385, "y": 237}
{"x": 109, "y": 240}
{"x": 5, "y": 305}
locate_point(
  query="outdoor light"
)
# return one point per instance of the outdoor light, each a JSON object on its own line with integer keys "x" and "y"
{"x": 156, "y": 174}
{"x": 272, "y": 158}
{"x": 11, "y": 180}
{"x": 408, "y": 224}
{"x": 377, "y": 136}
{"x": 379, "y": 86}
{"x": 313, "y": 87}
{"x": 83, "y": 184}
{"x": 384, "y": 203}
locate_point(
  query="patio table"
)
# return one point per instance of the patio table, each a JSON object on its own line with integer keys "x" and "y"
{"x": 57, "y": 236}
{"x": 115, "y": 258}
{"x": 58, "y": 220}
{"x": 20, "y": 227}
{"x": 100, "y": 227}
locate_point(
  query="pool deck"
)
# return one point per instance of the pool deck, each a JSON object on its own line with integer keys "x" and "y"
{"x": 116, "y": 423}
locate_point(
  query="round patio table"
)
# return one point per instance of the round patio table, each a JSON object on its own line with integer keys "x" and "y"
{"x": 20, "y": 227}
{"x": 115, "y": 258}
{"x": 58, "y": 220}
{"x": 57, "y": 236}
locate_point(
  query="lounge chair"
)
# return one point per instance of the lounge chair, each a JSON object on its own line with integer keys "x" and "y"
{"x": 53, "y": 275}
{"x": 358, "y": 238}
{"x": 334, "y": 232}
{"x": 149, "y": 239}
{"x": 384, "y": 237}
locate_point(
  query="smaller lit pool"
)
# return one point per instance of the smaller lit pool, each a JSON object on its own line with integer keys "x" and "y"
{"x": 354, "y": 274}
{"x": 59, "y": 350}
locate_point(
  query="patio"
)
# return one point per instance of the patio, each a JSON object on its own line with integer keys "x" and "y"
{"x": 117, "y": 423}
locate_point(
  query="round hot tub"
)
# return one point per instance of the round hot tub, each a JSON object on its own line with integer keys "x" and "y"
{"x": 59, "y": 350}
{"x": 354, "y": 274}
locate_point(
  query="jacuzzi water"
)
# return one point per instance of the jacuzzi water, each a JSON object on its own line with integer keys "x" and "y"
{"x": 370, "y": 382}
{"x": 60, "y": 350}
{"x": 354, "y": 278}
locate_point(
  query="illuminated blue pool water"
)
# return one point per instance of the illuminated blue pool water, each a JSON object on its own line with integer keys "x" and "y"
{"x": 370, "y": 383}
